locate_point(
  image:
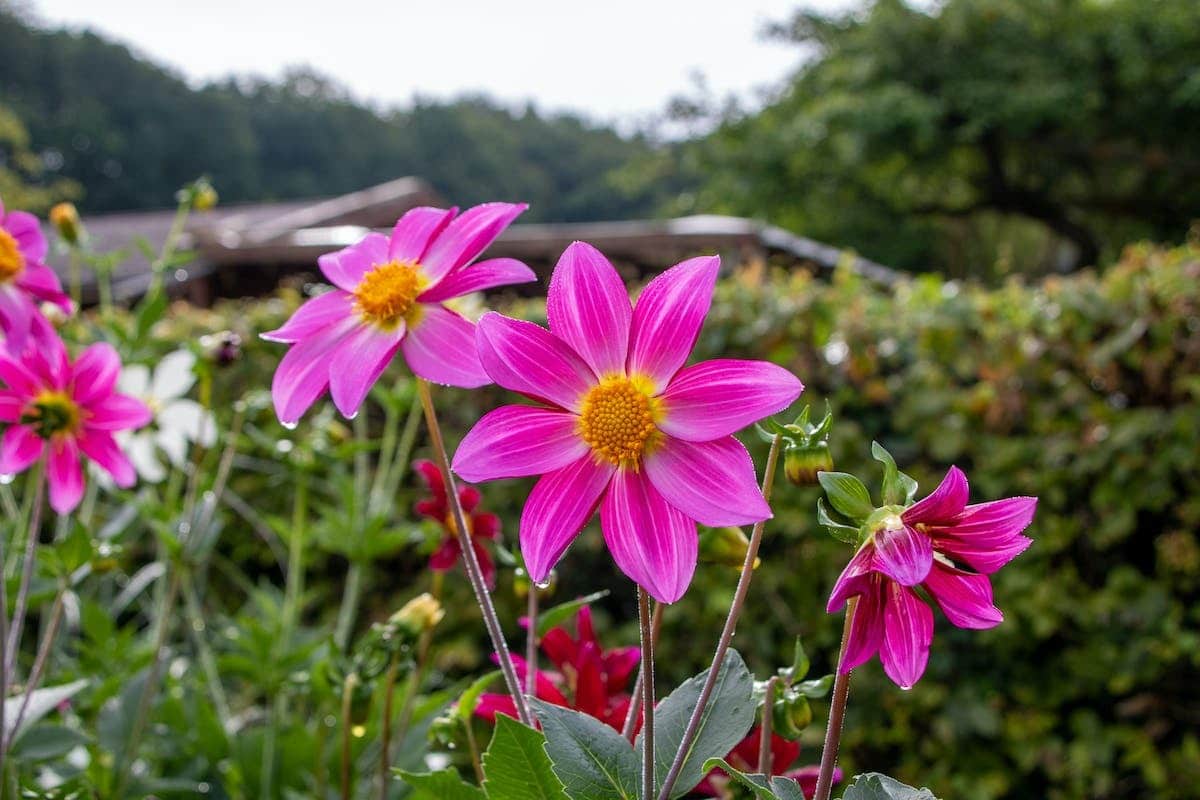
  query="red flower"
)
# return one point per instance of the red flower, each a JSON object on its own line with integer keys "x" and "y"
{"x": 744, "y": 757}
{"x": 482, "y": 525}
{"x": 596, "y": 680}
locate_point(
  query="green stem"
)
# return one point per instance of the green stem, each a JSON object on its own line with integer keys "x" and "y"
{"x": 385, "y": 736}
{"x": 347, "y": 696}
{"x": 208, "y": 661}
{"x": 39, "y": 663}
{"x": 647, "y": 640}
{"x": 13, "y": 643}
{"x": 531, "y": 642}
{"x": 837, "y": 712}
{"x": 764, "y": 737}
{"x": 635, "y": 703}
{"x": 349, "y": 606}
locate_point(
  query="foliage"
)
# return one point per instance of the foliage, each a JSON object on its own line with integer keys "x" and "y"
{"x": 22, "y": 173}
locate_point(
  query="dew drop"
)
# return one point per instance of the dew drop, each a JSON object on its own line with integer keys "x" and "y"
{"x": 291, "y": 426}
{"x": 7, "y": 478}
{"x": 352, "y": 416}
{"x": 542, "y": 584}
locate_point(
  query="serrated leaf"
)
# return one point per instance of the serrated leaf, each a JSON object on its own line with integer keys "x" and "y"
{"x": 898, "y": 488}
{"x": 564, "y": 611}
{"x": 875, "y": 786}
{"x": 593, "y": 761}
{"x": 444, "y": 785}
{"x": 470, "y": 698}
{"x": 516, "y": 766}
{"x": 764, "y": 788}
{"x": 847, "y": 494}
{"x": 727, "y": 718}
{"x": 838, "y": 530}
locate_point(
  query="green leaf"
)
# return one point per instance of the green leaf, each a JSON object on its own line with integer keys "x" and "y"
{"x": 592, "y": 760}
{"x": 516, "y": 766}
{"x": 800, "y": 662}
{"x": 41, "y": 703}
{"x": 777, "y": 788}
{"x": 898, "y": 488}
{"x": 150, "y": 311}
{"x": 847, "y": 494}
{"x": 838, "y": 530}
{"x": 444, "y": 785}
{"x": 726, "y": 719}
{"x": 564, "y": 611}
{"x": 44, "y": 742}
{"x": 874, "y": 786}
{"x": 470, "y": 698}
{"x": 815, "y": 688}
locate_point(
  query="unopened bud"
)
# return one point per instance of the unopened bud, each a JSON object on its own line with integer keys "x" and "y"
{"x": 221, "y": 348}
{"x": 791, "y": 714}
{"x": 420, "y": 614}
{"x": 802, "y": 463}
{"x": 65, "y": 218}
{"x": 726, "y": 546}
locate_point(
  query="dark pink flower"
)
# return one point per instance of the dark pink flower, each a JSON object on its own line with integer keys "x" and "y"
{"x": 25, "y": 280}
{"x": 623, "y": 425}
{"x": 61, "y": 409}
{"x": 483, "y": 526}
{"x": 928, "y": 544}
{"x": 744, "y": 757}
{"x": 389, "y": 296}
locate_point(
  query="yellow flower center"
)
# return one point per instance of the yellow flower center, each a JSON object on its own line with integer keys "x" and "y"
{"x": 11, "y": 259}
{"x": 51, "y": 412}
{"x": 617, "y": 420}
{"x": 387, "y": 293}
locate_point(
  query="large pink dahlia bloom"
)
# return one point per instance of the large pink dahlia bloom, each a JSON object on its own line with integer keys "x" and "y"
{"x": 389, "y": 296}
{"x": 622, "y": 424}
{"x": 61, "y": 409}
{"x": 25, "y": 280}
{"x": 923, "y": 545}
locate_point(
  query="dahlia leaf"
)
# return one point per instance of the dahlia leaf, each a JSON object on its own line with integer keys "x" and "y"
{"x": 898, "y": 488}
{"x": 444, "y": 785}
{"x": 874, "y": 786}
{"x": 592, "y": 760}
{"x": 560, "y": 613}
{"x": 847, "y": 494}
{"x": 516, "y": 766}
{"x": 764, "y": 788}
{"x": 838, "y": 530}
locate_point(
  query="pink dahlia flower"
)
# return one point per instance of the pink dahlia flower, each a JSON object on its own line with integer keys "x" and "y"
{"x": 483, "y": 525}
{"x": 622, "y": 424}
{"x": 61, "y": 409}
{"x": 924, "y": 545}
{"x": 25, "y": 280}
{"x": 389, "y": 295}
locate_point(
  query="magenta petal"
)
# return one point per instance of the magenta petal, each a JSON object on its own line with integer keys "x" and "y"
{"x": 468, "y": 235}
{"x": 346, "y": 267}
{"x": 866, "y": 629}
{"x": 118, "y": 412}
{"x": 652, "y": 542}
{"x": 360, "y": 357}
{"x": 712, "y": 482}
{"x": 64, "y": 475}
{"x": 525, "y": 358}
{"x": 716, "y": 398}
{"x": 10, "y": 406}
{"x": 946, "y": 501}
{"x": 100, "y": 447}
{"x": 314, "y": 317}
{"x": 416, "y": 230}
{"x": 903, "y": 554}
{"x": 560, "y": 504}
{"x": 16, "y": 316}
{"x": 41, "y": 282}
{"x": 988, "y": 535}
{"x": 854, "y": 580}
{"x": 303, "y": 373}
{"x": 95, "y": 372}
{"x": 19, "y": 448}
{"x": 668, "y": 317}
{"x": 965, "y": 597}
{"x": 26, "y": 229}
{"x": 589, "y": 309}
{"x": 907, "y": 634}
{"x": 477, "y": 277}
{"x": 515, "y": 441}
{"x": 440, "y": 347}
{"x": 18, "y": 378}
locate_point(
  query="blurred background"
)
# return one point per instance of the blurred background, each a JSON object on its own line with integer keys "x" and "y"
{"x": 969, "y": 225}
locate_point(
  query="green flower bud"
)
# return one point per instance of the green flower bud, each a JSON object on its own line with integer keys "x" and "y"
{"x": 726, "y": 546}
{"x": 791, "y": 714}
{"x": 418, "y": 615}
{"x": 802, "y": 463}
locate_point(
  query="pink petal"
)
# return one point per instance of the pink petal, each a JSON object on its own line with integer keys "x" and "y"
{"x": 652, "y": 542}
{"x": 16, "y": 316}
{"x": 467, "y": 236}
{"x": 716, "y": 398}
{"x": 668, "y": 316}
{"x": 11, "y": 406}
{"x": 346, "y": 267}
{"x": 446, "y": 555}
{"x": 303, "y": 373}
{"x": 903, "y": 554}
{"x": 50, "y": 363}
{"x": 907, "y": 634}
{"x": 855, "y": 578}
{"x": 315, "y": 316}
{"x": 117, "y": 412}
{"x": 414, "y": 232}
{"x": 64, "y": 475}
{"x": 544, "y": 688}
{"x": 41, "y": 282}
{"x": 965, "y": 597}
{"x": 477, "y": 277}
{"x": 988, "y": 535}
{"x": 525, "y": 358}
{"x": 944, "y": 504}
{"x": 18, "y": 378}
{"x": 560, "y": 504}
{"x": 100, "y": 447}
{"x": 487, "y": 567}
{"x": 357, "y": 361}
{"x": 515, "y": 441}
{"x": 589, "y": 309}
{"x": 440, "y": 347}
{"x": 712, "y": 482}
{"x": 19, "y": 448}
{"x": 95, "y": 373}
{"x": 866, "y": 629}
{"x": 491, "y": 704}
{"x": 26, "y": 229}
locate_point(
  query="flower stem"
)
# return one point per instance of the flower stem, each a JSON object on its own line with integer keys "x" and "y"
{"x": 635, "y": 703}
{"x": 352, "y": 591}
{"x": 349, "y": 605}
{"x": 531, "y": 642}
{"x": 764, "y": 739}
{"x": 415, "y": 677}
{"x": 647, "y": 671}
{"x": 39, "y": 664}
{"x": 735, "y": 610}
{"x": 21, "y": 604}
{"x": 837, "y": 712}
{"x": 470, "y": 561}
{"x": 347, "y": 697}
{"x": 385, "y": 736}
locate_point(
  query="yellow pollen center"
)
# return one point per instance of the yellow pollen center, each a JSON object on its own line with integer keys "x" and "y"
{"x": 51, "y": 412}
{"x": 388, "y": 291}
{"x": 11, "y": 259}
{"x": 617, "y": 420}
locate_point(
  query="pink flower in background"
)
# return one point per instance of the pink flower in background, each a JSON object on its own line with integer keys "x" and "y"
{"x": 744, "y": 757}
{"x": 622, "y": 425}
{"x": 25, "y": 280}
{"x": 389, "y": 296}
{"x": 61, "y": 409}
{"x": 923, "y": 546}
{"x": 483, "y": 526}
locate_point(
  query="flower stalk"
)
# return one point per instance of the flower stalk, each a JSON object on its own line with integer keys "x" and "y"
{"x": 837, "y": 712}
{"x": 531, "y": 642}
{"x": 764, "y": 741}
{"x": 635, "y": 701}
{"x": 647, "y": 693}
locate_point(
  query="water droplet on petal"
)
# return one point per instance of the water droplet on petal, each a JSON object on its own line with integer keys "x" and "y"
{"x": 7, "y": 478}
{"x": 353, "y": 415}
{"x": 542, "y": 584}
{"x": 291, "y": 426}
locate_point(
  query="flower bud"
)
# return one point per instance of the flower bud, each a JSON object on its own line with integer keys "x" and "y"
{"x": 65, "y": 218}
{"x": 221, "y": 348}
{"x": 418, "y": 615}
{"x": 791, "y": 714}
{"x": 802, "y": 463}
{"x": 726, "y": 546}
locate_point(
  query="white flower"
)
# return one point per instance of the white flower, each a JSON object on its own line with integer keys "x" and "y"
{"x": 177, "y": 420}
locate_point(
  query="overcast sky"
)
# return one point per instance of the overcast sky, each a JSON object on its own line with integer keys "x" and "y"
{"x": 616, "y": 61}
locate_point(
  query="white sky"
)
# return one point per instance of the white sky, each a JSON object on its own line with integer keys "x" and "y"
{"x": 617, "y": 61}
